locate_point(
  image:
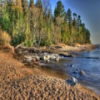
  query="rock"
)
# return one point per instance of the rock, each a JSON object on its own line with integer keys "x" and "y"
{"x": 43, "y": 58}
{"x": 79, "y": 72}
{"x": 72, "y": 65}
{"x": 33, "y": 50}
{"x": 34, "y": 60}
{"x": 37, "y": 58}
{"x": 46, "y": 54}
{"x": 25, "y": 52}
{"x": 20, "y": 46}
{"x": 75, "y": 72}
{"x": 57, "y": 59}
{"x": 19, "y": 52}
{"x": 48, "y": 57}
{"x": 47, "y": 60}
{"x": 58, "y": 47}
{"x": 28, "y": 58}
{"x": 65, "y": 55}
{"x": 52, "y": 48}
{"x": 53, "y": 57}
{"x": 82, "y": 73}
{"x": 72, "y": 81}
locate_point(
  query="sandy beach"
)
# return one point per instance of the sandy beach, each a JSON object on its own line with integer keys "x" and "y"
{"x": 18, "y": 82}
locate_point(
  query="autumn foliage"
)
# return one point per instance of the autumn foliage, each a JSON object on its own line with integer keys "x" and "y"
{"x": 4, "y": 38}
{"x": 36, "y": 24}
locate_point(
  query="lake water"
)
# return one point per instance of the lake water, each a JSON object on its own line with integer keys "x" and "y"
{"x": 89, "y": 62}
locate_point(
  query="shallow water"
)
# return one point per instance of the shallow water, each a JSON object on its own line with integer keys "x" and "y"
{"x": 89, "y": 62}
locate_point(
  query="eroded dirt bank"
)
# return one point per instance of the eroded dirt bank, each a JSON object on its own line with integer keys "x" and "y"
{"x": 20, "y": 83}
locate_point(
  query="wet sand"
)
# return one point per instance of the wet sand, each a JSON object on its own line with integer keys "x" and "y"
{"x": 20, "y": 83}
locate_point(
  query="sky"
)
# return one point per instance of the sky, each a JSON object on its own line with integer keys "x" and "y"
{"x": 89, "y": 10}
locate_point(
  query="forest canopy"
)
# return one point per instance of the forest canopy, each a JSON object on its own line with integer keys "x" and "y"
{"x": 35, "y": 24}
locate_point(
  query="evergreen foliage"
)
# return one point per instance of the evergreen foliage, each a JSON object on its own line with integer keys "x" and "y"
{"x": 34, "y": 24}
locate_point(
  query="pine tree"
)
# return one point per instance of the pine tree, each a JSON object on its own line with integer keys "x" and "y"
{"x": 40, "y": 20}
{"x": 60, "y": 18}
{"x": 59, "y": 10}
{"x": 25, "y": 6}
{"x": 32, "y": 20}
{"x": 28, "y": 23}
{"x": 69, "y": 20}
{"x": 39, "y": 4}
{"x": 78, "y": 21}
{"x": 31, "y": 4}
{"x": 75, "y": 19}
{"x": 19, "y": 4}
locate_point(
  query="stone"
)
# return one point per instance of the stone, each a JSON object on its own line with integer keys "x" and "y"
{"x": 37, "y": 58}
{"x": 72, "y": 65}
{"x": 29, "y": 58}
{"x": 72, "y": 81}
{"x": 57, "y": 59}
{"x": 43, "y": 58}
{"x": 34, "y": 60}
{"x": 77, "y": 69}
{"x": 65, "y": 55}
{"x": 75, "y": 72}
{"x": 82, "y": 73}
{"x": 48, "y": 57}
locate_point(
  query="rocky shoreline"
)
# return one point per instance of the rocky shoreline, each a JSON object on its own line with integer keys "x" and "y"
{"x": 55, "y": 53}
{"x": 19, "y": 82}
{"x": 50, "y": 56}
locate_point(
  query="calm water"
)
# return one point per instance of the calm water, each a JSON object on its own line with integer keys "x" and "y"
{"x": 89, "y": 62}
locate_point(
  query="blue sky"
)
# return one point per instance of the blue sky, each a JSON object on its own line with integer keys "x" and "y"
{"x": 90, "y": 14}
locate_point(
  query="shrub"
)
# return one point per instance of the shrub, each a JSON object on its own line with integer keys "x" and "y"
{"x": 17, "y": 40}
{"x": 28, "y": 43}
{"x": 4, "y": 38}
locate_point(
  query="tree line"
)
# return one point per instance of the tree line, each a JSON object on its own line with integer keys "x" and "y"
{"x": 36, "y": 24}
